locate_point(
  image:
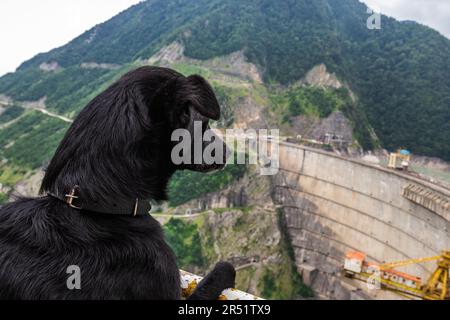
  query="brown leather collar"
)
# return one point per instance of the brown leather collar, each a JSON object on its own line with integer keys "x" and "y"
{"x": 136, "y": 207}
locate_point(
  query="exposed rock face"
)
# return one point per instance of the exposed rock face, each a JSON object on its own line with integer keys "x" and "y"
{"x": 336, "y": 125}
{"x": 336, "y": 129}
{"x": 30, "y": 186}
{"x": 319, "y": 77}
{"x": 92, "y": 36}
{"x": 234, "y": 64}
{"x": 40, "y": 104}
{"x": 249, "y": 115}
{"x": 95, "y": 65}
{"x": 240, "y": 224}
{"x": 250, "y": 190}
{"x": 4, "y": 189}
{"x": 250, "y": 240}
{"x": 5, "y": 100}
{"x": 51, "y": 66}
{"x": 168, "y": 55}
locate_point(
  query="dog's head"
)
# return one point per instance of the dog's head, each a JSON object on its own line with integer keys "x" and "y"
{"x": 122, "y": 141}
{"x": 188, "y": 105}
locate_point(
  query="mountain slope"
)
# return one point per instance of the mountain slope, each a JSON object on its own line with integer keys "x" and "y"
{"x": 399, "y": 73}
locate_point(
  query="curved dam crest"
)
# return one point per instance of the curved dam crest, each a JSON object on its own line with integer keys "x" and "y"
{"x": 333, "y": 204}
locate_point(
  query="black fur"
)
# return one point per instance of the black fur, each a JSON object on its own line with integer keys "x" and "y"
{"x": 118, "y": 148}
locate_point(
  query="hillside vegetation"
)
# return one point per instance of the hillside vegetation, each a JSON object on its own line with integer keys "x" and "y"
{"x": 400, "y": 73}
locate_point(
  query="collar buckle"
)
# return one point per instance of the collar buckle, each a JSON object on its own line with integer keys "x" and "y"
{"x": 136, "y": 207}
{"x": 70, "y": 197}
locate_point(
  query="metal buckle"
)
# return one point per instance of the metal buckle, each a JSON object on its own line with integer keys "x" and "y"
{"x": 136, "y": 208}
{"x": 70, "y": 197}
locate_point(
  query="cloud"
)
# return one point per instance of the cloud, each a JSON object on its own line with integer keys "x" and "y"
{"x": 433, "y": 13}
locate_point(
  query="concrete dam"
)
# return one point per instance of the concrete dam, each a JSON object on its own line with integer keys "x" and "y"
{"x": 333, "y": 204}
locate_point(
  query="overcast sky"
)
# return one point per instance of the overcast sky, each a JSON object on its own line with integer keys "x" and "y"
{"x": 28, "y": 27}
{"x": 433, "y": 13}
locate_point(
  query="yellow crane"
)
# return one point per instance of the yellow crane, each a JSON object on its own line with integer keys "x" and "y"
{"x": 436, "y": 287}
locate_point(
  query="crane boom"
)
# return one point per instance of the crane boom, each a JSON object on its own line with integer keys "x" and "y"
{"x": 402, "y": 263}
{"x": 435, "y": 288}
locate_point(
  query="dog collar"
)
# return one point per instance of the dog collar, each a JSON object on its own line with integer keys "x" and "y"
{"x": 132, "y": 208}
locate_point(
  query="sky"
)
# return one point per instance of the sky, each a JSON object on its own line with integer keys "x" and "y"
{"x": 433, "y": 13}
{"x": 28, "y": 27}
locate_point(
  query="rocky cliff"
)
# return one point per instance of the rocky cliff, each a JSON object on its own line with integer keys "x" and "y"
{"x": 240, "y": 224}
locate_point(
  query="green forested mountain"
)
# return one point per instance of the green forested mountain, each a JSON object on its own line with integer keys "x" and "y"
{"x": 399, "y": 74}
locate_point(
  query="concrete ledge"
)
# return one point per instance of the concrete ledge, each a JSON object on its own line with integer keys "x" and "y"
{"x": 429, "y": 199}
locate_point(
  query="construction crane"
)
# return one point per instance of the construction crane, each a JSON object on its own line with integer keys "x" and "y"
{"x": 436, "y": 288}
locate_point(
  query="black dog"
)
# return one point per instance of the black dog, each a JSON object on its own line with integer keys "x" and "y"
{"x": 114, "y": 158}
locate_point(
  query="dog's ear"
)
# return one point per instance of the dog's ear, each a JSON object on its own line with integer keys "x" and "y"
{"x": 196, "y": 92}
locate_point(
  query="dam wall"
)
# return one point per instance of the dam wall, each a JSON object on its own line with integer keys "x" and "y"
{"x": 333, "y": 204}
